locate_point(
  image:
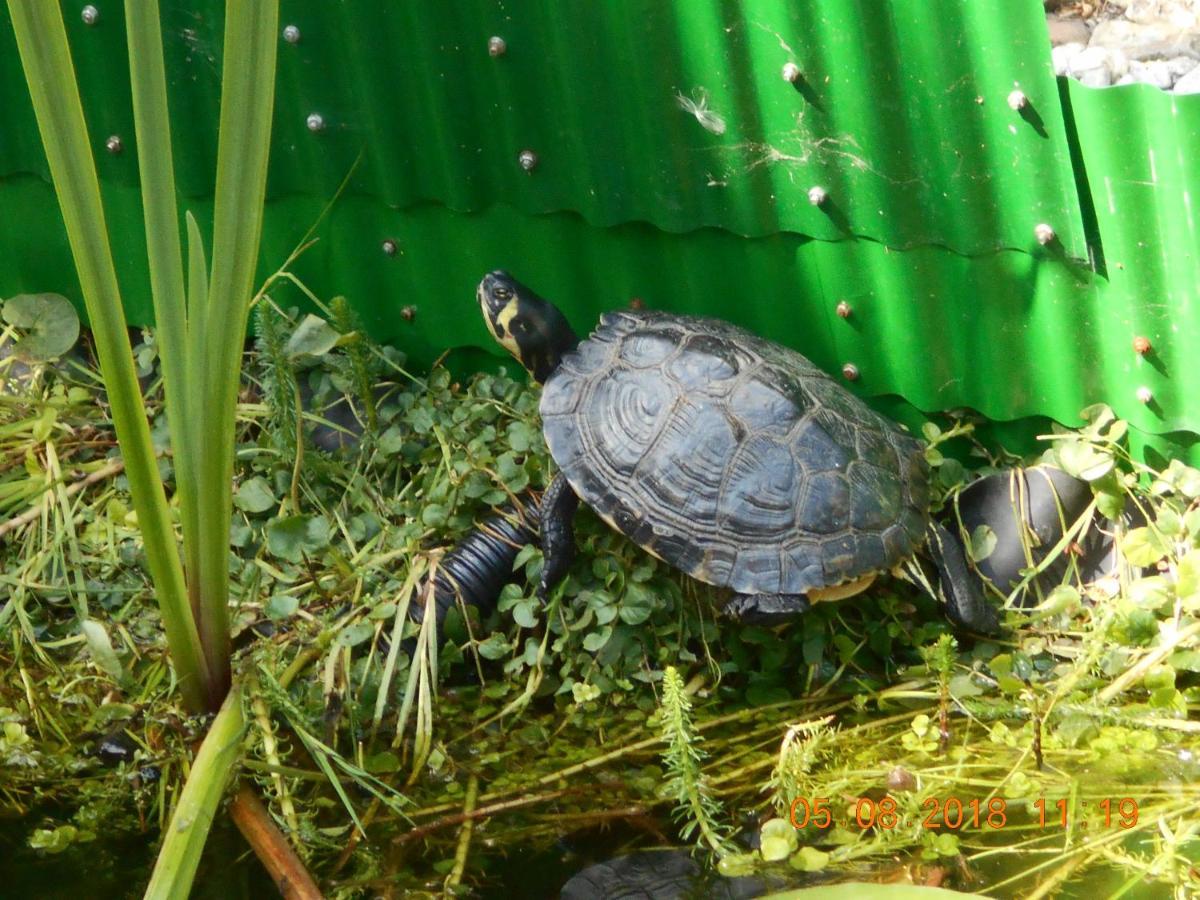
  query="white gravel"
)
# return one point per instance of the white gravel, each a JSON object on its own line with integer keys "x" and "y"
{"x": 1153, "y": 42}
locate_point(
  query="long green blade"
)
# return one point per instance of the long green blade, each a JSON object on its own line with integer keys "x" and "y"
{"x": 183, "y": 841}
{"x": 50, "y": 74}
{"x": 247, "y": 98}
{"x": 155, "y": 164}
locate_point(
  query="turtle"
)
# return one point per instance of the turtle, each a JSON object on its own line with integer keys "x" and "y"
{"x": 732, "y": 458}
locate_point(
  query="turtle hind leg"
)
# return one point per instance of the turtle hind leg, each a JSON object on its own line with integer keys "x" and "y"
{"x": 766, "y": 609}
{"x": 557, "y": 516}
{"x": 959, "y": 587}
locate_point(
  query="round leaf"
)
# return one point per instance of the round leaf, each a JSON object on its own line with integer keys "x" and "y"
{"x": 254, "y": 495}
{"x": 48, "y": 323}
{"x": 312, "y": 337}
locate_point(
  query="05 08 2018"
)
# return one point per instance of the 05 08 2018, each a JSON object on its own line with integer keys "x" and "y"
{"x": 953, "y": 813}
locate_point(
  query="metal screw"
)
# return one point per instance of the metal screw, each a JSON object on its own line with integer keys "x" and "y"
{"x": 790, "y": 73}
{"x": 1141, "y": 345}
{"x": 850, "y": 372}
{"x": 817, "y": 195}
{"x": 528, "y": 160}
{"x": 844, "y": 310}
{"x": 291, "y": 34}
{"x": 496, "y": 46}
{"x": 89, "y": 15}
{"x": 315, "y": 122}
{"x": 1044, "y": 233}
{"x": 113, "y": 144}
{"x": 1017, "y": 100}
{"x": 389, "y": 247}
{"x": 1144, "y": 394}
{"x": 408, "y": 313}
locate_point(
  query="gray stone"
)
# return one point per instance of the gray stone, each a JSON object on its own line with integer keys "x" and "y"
{"x": 1180, "y": 66}
{"x": 1154, "y": 73}
{"x": 1146, "y": 40}
{"x": 1125, "y": 79}
{"x": 1189, "y": 83}
{"x": 1067, "y": 30}
{"x": 1092, "y": 67}
{"x": 1062, "y": 56}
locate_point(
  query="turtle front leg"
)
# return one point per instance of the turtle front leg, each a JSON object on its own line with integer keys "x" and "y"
{"x": 766, "y": 609}
{"x": 557, "y": 517}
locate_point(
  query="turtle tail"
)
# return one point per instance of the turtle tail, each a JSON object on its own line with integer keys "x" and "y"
{"x": 959, "y": 587}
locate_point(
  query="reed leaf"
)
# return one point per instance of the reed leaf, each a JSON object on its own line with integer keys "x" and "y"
{"x": 49, "y": 71}
{"x": 155, "y": 164}
{"x": 247, "y": 100}
{"x": 184, "y": 838}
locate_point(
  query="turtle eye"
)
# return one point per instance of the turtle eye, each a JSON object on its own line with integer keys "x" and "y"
{"x": 502, "y": 293}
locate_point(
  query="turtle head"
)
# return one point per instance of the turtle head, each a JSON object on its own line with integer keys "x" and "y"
{"x": 528, "y": 327}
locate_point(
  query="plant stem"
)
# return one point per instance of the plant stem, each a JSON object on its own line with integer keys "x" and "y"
{"x": 271, "y": 847}
{"x": 183, "y": 840}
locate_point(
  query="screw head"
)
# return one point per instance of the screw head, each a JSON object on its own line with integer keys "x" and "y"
{"x": 1144, "y": 394}
{"x": 1141, "y": 345}
{"x": 790, "y": 72}
{"x": 528, "y": 160}
{"x": 1044, "y": 233}
{"x": 1017, "y": 100}
{"x": 291, "y": 34}
{"x": 637, "y": 303}
{"x": 114, "y": 145}
{"x": 408, "y": 313}
{"x": 844, "y": 310}
{"x": 496, "y": 46}
{"x": 389, "y": 247}
{"x": 817, "y": 195}
{"x": 315, "y": 122}
{"x": 850, "y": 372}
{"x": 89, "y": 14}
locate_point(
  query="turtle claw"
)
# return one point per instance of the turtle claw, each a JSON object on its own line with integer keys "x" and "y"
{"x": 766, "y": 609}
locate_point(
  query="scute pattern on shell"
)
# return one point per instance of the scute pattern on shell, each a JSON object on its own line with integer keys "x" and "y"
{"x": 732, "y": 458}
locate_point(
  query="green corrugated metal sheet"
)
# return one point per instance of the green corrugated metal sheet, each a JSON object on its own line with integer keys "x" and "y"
{"x": 900, "y": 114}
{"x": 1011, "y": 333}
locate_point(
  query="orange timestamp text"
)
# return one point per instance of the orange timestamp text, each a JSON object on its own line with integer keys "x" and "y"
{"x": 953, "y": 813}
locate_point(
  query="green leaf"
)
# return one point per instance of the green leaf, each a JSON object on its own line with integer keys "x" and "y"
{"x": 1187, "y": 579}
{"x": 1083, "y": 460}
{"x": 931, "y": 432}
{"x": 48, "y": 323}
{"x": 312, "y": 337}
{"x": 496, "y": 646}
{"x": 280, "y": 606}
{"x": 810, "y": 859}
{"x": 777, "y": 840}
{"x": 355, "y": 634}
{"x": 292, "y": 537}
{"x": 983, "y": 542}
{"x": 101, "y": 649}
{"x": 1111, "y": 504}
{"x": 1151, "y": 592}
{"x": 254, "y": 495}
{"x": 1143, "y": 547}
{"x": 525, "y": 613}
{"x": 595, "y": 640}
{"x": 636, "y": 605}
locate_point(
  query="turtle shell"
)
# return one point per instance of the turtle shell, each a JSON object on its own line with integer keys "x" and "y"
{"x": 732, "y": 458}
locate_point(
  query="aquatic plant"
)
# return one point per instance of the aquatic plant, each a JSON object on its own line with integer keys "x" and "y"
{"x": 199, "y": 333}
